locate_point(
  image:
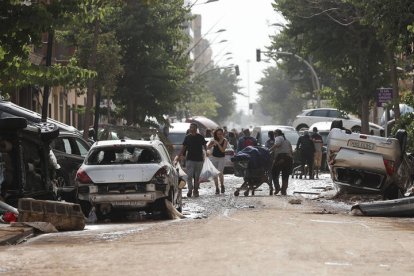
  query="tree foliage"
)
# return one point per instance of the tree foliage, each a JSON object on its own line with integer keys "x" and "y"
{"x": 278, "y": 97}
{"x": 154, "y": 58}
{"x": 22, "y": 27}
{"x": 330, "y": 33}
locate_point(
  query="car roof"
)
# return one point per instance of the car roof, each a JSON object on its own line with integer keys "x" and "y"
{"x": 322, "y": 108}
{"x": 274, "y": 127}
{"x": 105, "y": 143}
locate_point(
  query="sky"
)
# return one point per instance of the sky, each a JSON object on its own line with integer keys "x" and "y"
{"x": 248, "y": 27}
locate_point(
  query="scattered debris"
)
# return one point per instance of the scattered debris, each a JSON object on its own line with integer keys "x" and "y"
{"x": 45, "y": 227}
{"x": 402, "y": 207}
{"x": 325, "y": 212}
{"x": 295, "y": 201}
{"x": 64, "y": 216}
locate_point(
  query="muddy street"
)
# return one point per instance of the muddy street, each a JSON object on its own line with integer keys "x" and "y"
{"x": 228, "y": 235}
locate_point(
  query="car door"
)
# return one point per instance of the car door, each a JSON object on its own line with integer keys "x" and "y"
{"x": 318, "y": 115}
{"x": 70, "y": 153}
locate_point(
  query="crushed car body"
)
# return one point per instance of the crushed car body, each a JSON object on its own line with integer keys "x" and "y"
{"x": 361, "y": 163}
{"x": 128, "y": 175}
{"x": 28, "y": 167}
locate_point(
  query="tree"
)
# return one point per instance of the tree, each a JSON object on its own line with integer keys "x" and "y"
{"x": 278, "y": 97}
{"x": 346, "y": 49}
{"x": 222, "y": 85}
{"x": 21, "y": 29}
{"x": 155, "y": 62}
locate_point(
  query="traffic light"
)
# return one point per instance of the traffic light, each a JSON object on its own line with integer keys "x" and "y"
{"x": 236, "y": 68}
{"x": 258, "y": 55}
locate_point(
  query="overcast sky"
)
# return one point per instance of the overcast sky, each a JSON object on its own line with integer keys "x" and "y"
{"x": 247, "y": 24}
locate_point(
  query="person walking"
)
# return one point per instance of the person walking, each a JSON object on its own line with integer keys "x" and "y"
{"x": 193, "y": 145}
{"x": 282, "y": 162}
{"x": 219, "y": 145}
{"x": 317, "y": 157}
{"x": 306, "y": 149}
{"x": 271, "y": 141}
{"x": 246, "y": 140}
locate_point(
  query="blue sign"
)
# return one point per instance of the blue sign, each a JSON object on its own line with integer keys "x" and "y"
{"x": 384, "y": 95}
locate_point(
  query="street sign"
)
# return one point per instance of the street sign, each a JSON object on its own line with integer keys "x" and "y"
{"x": 384, "y": 95}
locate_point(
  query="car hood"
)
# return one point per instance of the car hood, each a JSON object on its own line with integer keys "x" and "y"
{"x": 122, "y": 173}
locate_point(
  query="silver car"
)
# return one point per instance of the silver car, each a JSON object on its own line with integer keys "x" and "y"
{"x": 129, "y": 175}
{"x": 362, "y": 163}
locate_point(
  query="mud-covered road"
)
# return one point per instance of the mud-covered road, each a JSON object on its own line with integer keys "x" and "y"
{"x": 300, "y": 234}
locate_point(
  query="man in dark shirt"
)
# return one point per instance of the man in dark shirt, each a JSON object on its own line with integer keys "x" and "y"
{"x": 306, "y": 149}
{"x": 193, "y": 145}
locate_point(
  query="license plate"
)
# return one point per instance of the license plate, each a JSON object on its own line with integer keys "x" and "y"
{"x": 361, "y": 144}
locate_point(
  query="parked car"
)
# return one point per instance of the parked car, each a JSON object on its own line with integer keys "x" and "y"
{"x": 229, "y": 153}
{"x": 361, "y": 163}
{"x": 27, "y": 164}
{"x": 128, "y": 175}
{"x": 310, "y": 116}
{"x": 70, "y": 150}
{"x": 260, "y": 133}
{"x": 404, "y": 108}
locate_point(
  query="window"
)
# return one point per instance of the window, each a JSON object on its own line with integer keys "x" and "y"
{"x": 318, "y": 113}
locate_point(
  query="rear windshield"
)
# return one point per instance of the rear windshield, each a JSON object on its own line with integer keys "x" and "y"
{"x": 292, "y": 136}
{"x": 123, "y": 155}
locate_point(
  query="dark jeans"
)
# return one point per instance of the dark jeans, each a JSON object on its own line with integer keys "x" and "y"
{"x": 307, "y": 159}
{"x": 283, "y": 164}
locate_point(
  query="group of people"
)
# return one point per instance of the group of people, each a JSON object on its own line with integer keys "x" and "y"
{"x": 195, "y": 148}
{"x": 309, "y": 147}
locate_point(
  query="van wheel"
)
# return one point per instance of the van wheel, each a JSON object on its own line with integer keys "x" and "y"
{"x": 401, "y": 136}
{"x": 13, "y": 123}
{"x": 48, "y": 131}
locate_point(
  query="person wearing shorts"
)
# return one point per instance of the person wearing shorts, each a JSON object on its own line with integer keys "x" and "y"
{"x": 219, "y": 145}
{"x": 317, "y": 157}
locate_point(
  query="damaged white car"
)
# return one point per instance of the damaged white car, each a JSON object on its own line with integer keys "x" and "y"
{"x": 361, "y": 163}
{"x": 128, "y": 175}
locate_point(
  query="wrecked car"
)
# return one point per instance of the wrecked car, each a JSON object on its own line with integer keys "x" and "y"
{"x": 28, "y": 164}
{"x": 361, "y": 163}
{"x": 128, "y": 175}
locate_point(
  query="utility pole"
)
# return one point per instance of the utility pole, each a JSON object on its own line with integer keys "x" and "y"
{"x": 46, "y": 89}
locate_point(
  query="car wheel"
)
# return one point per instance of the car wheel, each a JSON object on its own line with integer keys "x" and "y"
{"x": 48, "y": 131}
{"x": 401, "y": 136}
{"x": 301, "y": 126}
{"x": 13, "y": 123}
{"x": 356, "y": 129}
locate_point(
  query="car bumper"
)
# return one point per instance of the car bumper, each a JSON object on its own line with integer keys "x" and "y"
{"x": 120, "y": 200}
